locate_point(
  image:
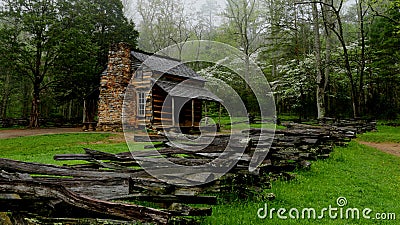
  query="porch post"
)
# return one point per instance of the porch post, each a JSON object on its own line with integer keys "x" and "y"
{"x": 173, "y": 110}
{"x": 219, "y": 115}
{"x": 193, "y": 112}
{"x": 206, "y": 113}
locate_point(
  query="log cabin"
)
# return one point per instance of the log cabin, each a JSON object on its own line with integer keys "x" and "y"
{"x": 160, "y": 92}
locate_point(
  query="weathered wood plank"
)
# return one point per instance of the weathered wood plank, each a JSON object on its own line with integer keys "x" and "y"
{"x": 65, "y": 157}
{"x": 123, "y": 211}
{"x": 150, "y": 138}
{"x": 188, "y": 211}
{"x": 186, "y": 199}
{"x": 37, "y": 168}
{"x": 43, "y": 220}
{"x": 99, "y": 188}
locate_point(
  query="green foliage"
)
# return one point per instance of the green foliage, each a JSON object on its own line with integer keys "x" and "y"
{"x": 59, "y": 48}
{"x": 297, "y": 79}
{"x": 164, "y": 23}
{"x": 385, "y": 68}
{"x": 367, "y": 74}
{"x": 30, "y": 36}
{"x": 89, "y": 29}
{"x": 224, "y": 35}
{"x": 233, "y": 80}
{"x": 297, "y": 83}
{"x": 394, "y": 7}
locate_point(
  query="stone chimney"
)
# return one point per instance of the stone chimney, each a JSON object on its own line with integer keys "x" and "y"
{"x": 113, "y": 84}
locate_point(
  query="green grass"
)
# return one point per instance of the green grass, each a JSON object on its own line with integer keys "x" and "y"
{"x": 392, "y": 121}
{"x": 226, "y": 124}
{"x": 385, "y": 134}
{"x": 42, "y": 148}
{"x": 12, "y": 128}
{"x": 287, "y": 117}
{"x": 366, "y": 177}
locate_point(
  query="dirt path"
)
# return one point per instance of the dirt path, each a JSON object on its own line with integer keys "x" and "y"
{"x": 31, "y": 132}
{"x": 390, "y": 148}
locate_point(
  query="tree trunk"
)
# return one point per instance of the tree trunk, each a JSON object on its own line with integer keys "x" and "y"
{"x": 70, "y": 110}
{"x": 328, "y": 46}
{"x": 34, "y": 119}
{"x": 348, "y": 68}
{"x": 26, "y": 94}
{"x": 352, "y": 85}
{"x": 302, "y": 104}
{"x": 246, "y": 72}
{"x": 339, "y": 33}
{"x": 317, "y": 52}
{"x": 362, "y": 57}
{"x": 6, "y": 96}
{"x": 37, "y": 80}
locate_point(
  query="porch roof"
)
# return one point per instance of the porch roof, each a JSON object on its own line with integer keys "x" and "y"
{"x": 187, "y": 91}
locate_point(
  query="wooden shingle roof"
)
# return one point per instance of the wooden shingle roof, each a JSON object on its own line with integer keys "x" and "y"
{"x": 166, "y": 65}
{"x": 186, "y": 90}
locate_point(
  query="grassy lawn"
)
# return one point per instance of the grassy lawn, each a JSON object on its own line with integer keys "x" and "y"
{"x": 385, "y": 134}
{"x": 366, "y": 177}
{"x": 42, "y": 148}
{"x": 239, "y": 124}
{"x": 11, "y": 128}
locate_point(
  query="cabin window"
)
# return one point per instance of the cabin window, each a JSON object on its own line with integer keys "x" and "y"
{"x": 139, "y": 73}
{"x": 141, "y": 103}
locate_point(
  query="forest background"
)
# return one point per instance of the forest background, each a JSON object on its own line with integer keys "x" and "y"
{"x": 327, "y": 58}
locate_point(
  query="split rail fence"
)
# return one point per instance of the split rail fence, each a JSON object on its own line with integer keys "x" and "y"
{"x": 114, "y": 188}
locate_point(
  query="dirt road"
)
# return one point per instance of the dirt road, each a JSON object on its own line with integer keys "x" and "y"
{"x": 12, "y": 133}
{"x": 390, "y": 148}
